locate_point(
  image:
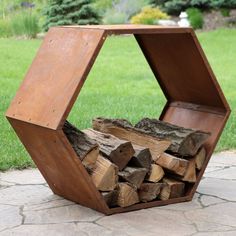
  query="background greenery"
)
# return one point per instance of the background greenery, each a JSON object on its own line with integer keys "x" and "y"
{"x": 130, "y": 91}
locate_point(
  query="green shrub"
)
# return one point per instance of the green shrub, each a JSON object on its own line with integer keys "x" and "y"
{"x": 5, "y": 28}
{"x": 176, "y": 6}
{"x": 225, "y": 12}
{"x": 112, "y": 17}
{"x": 68, "y": 12}
{"x": 25, "y": 23}
{"x": 149, "y": 15}
{"x": 195, "y": 17}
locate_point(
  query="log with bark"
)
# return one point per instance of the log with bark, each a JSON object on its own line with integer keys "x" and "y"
{"x": 156, "y": 173}
{"x": 116, "y": 150}
{"x": 184, "y": 142}
{"x": 105, "y": 174}
{"x": 141, "y": 158}
{"x": 171, "y": 189}
{"x": 127, "y": 195}
{"x": 133, "y": 175}
{"x": 86, "y": 149}
{"x": 124, "y": 130}
{"x": 149, "y": 191}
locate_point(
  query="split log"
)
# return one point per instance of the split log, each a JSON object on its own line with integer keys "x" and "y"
{"x": 184, "y": 142}
{"x": 86, "y": 149}
{"x": 190, "y": 175}
{"x": 110, "y": 197}
{"x": 173, "y": 164}
{"x": 105, "y": 174}
{"x": 156, "y": 173}
{"x": 149, "y": 191}
{"x": 116, "y": 150}
{"x": 133, "y": 175}
{"x": 171, "y": 189}
{"x": 141, "y": 158}
{"x": 127, "y": 195}
{"x": 200, "y": 158}
{"x": 124, "y": 130}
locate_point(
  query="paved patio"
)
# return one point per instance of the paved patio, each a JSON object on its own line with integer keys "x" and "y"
{"x": 28, "y": 207}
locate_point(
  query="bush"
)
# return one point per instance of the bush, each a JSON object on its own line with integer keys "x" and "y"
{"x": 149, "y": 15}
{"x": 122, "y": 10}
{"x": 5, "y": 28}
{"x": 225, "y": 12}
{"x": 25, "y": 23}
{"x": 174, "y": 7}
{"x": 68, "y": 12}
{"x": 195, "y": 17}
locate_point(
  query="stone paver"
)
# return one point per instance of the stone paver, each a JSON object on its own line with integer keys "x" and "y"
{"x": 28, "y": 207}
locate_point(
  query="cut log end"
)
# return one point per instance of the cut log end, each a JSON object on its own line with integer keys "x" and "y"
{"x": 171, "y": 189}
{"x": 149, "y": 191}
{"x": 105, "y": 174}
{"x": 127, "y": 195}
{"x": 156, "y": 173}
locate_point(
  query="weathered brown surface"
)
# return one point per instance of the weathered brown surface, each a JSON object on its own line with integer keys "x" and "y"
{"x": 173, "y": 164}
{"x": 185, "y": 142}
{"x": 149, "y": 191}
{"x": 171, "y": 189}
{"x": 200, "y": 158}
{"x": 124, "y": 130}
{"x": 133, "y": 175}
{"x": 127, "y": 195}
{"x": 156, "y": 173}
{"x": 116, "y": 150}
{"x": 105, "y": 174}
{"x": 110, "y": 197}
{"x": 57, "y": 75}
{"x": 86, "y": 149}
{"x": 141, "y": 158}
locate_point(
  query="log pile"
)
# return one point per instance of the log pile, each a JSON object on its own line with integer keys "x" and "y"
{"x": 152, "y": 160}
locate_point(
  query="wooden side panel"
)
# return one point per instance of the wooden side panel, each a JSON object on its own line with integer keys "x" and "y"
{"x": 58, "y": 163}
{"x": 180, "y": 68}
{"x": 56, "y": 76}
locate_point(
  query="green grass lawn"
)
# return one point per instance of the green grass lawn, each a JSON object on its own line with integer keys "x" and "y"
{"x": 119, "y": 85}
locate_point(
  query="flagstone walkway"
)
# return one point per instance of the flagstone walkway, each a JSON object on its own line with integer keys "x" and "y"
{"x": 28, "y": 207}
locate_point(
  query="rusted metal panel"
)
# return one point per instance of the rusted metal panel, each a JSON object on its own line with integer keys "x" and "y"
{"x": 56, "y": 76}
{"x": 180, "y": 69}
{"x": 59, "y": 164}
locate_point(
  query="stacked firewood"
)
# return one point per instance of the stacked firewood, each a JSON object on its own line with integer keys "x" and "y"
{"x": 152, "y": 160}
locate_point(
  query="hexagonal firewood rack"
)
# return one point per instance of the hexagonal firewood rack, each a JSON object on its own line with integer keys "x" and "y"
{"x": 53, "y": 82}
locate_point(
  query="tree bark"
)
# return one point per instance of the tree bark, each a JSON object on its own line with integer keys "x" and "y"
{"x": 86, "y": 149}
{"x": 124, "y": 130}
{"x": 184, "y": 142}
{"x": 133, "y": 175}
{"x": 116, "y": 150}
{"x": 141, "y": 158}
